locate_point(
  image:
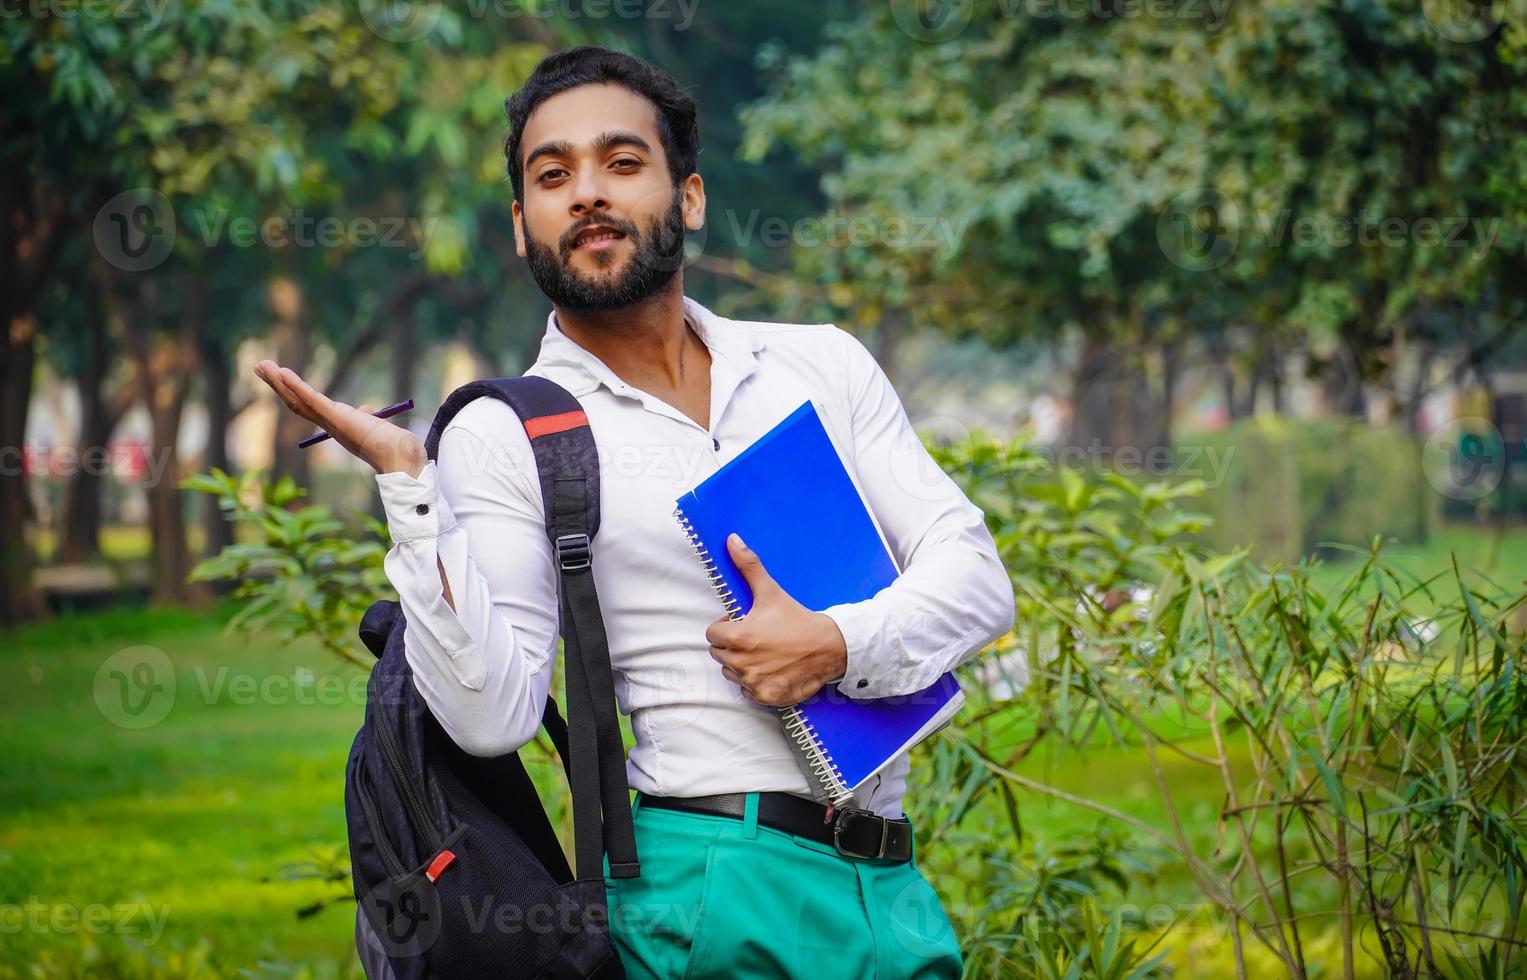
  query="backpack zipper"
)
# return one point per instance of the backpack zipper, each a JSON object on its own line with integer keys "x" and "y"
{"x": 422, "y": 822}
{"x": 373, "y": 817}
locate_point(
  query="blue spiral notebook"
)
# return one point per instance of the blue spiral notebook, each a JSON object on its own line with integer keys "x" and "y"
{"x": 791, "y": 499}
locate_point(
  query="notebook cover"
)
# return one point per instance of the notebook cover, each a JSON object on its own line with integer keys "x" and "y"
{"x": 791, "y": 499}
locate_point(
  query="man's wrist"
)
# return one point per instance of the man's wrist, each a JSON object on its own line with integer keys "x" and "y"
{"x": 834, "y": 649}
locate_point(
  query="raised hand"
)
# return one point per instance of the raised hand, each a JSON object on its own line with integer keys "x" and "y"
{"x": 385, "y": 447}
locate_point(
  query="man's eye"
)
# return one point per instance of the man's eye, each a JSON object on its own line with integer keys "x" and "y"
{"x": 628, "y": 163}
{"x": 549, "y": 172}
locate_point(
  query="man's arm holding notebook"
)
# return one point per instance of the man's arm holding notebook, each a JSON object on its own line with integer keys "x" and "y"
{"x": 953, "y": 596}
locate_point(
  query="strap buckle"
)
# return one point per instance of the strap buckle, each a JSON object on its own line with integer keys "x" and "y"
{"x": 574, "y": 553}
{"x": 851, "y": 813}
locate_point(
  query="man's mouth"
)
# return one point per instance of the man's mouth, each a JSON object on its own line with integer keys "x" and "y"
{"x": 596, "y": 237}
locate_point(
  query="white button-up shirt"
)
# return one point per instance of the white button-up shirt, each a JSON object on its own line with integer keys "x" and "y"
{"x": 485, "y": 668}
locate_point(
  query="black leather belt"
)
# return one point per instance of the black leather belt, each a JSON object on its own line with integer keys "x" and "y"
{"x": 854, "y": 832}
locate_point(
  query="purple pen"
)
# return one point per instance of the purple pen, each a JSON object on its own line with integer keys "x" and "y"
{"x": 385, "y": 413}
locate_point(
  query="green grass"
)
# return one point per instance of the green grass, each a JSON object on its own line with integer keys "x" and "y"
{"x": 187, "y": 819}
{"x": 1484, "y": 557}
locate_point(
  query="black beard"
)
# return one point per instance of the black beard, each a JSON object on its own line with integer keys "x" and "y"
{"x": 658, "y": 256}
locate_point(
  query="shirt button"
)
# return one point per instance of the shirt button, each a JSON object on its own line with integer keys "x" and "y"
{"x": 715, "y": 443}
{"x": 422, "y": 509}
{"x": 862, "y": 683}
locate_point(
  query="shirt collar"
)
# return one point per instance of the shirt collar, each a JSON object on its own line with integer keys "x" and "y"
{"x": 562, "y": 359}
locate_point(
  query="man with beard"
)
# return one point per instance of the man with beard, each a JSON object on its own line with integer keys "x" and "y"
{"x": 739, "y": 873}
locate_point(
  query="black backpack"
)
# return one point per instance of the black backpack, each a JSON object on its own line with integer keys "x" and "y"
{"x": 456, "y": 867}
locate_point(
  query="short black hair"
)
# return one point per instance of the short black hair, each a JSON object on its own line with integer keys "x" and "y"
{"x": 589, "y": 64}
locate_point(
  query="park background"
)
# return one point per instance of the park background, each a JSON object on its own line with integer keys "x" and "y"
{"x": 1214, "y": 306}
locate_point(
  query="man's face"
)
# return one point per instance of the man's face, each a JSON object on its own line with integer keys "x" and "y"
{"x": 601, "y": 225}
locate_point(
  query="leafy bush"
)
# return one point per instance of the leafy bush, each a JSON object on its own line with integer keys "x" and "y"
{"x": 1370, "y": 762}
{"x": 298, "y": 572}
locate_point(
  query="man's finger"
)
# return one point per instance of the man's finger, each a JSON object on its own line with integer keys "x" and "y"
{"x": 751, "y": 566}
{"x": 316, "y": 401}
{"x": 719, "y": 633}
{"x": 271, "y": 376}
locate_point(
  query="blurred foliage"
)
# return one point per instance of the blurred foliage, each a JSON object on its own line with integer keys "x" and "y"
{"x": 1291, "y": 489}
{"x": 1141, "y": 176}
{"x": 1370, "y": 757}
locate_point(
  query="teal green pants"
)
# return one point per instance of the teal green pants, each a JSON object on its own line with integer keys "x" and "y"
{"x": 722, "y": 897}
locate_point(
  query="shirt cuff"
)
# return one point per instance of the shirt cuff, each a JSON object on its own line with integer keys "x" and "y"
{"x": 867, "y": 631}
{"x": 415, "y": 509}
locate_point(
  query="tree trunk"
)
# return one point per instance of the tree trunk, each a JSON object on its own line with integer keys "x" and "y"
{"x": 217, "y": 394}
{"x": 34, "y": 222}
{"x": 1275, "y": 378}
{"x": 405, "y": 354}
{"x": 100, "y": 414}
{"x": 165, "y": 362}
{"x": 19, "y": 599}
{"x": 1120, "y": 407}
{"x": 888, "y": 337}
{"x": 293, "y": 349}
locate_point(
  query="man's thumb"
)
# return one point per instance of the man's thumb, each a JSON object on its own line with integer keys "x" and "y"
{"x": 750, "y": 565}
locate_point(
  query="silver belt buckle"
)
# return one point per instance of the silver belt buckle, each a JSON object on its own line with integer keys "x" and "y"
{"x": 853, "y": 811}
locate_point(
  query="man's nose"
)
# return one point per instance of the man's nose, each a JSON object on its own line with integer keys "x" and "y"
{"x": 588, "y": 192}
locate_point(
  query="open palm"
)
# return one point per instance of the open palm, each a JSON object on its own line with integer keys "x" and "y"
{"x": 385, "y": 447}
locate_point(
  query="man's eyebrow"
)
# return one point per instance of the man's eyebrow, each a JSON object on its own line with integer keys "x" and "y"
{"x": 603, "y": 143}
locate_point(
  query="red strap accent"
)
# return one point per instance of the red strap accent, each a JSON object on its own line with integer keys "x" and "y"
{"x": 545, "y": 425}
{"x": 442, "y": 861}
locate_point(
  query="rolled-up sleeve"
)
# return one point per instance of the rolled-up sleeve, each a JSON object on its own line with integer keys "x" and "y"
{"x": 953, "y": 596}
{"x": 485, "y": 667}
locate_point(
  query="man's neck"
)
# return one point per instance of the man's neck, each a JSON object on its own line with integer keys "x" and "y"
{"x": 648, "y": 345}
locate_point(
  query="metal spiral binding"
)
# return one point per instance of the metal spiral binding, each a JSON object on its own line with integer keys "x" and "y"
{"x": 717, "y": 584}
{"x": 823, "y": 769}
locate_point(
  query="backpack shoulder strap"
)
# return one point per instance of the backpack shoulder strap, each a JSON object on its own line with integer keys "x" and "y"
{"x": 567, "y": 464}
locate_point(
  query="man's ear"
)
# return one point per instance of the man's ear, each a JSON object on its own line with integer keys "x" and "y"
{"x": 693, "y": 190}
{"x": 519, "y": 228}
